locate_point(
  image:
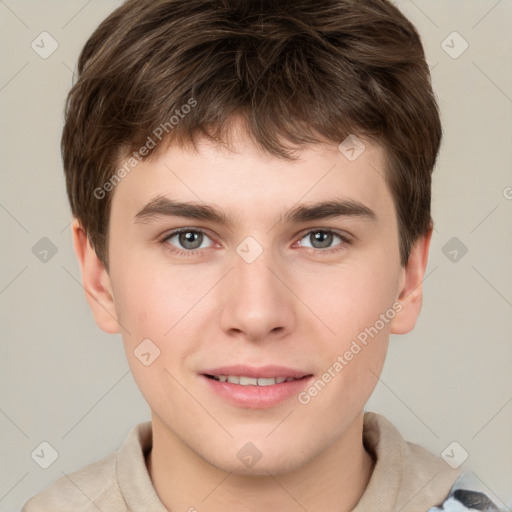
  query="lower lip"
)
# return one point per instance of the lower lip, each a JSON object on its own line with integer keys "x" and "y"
{"x": 257, "y": 397}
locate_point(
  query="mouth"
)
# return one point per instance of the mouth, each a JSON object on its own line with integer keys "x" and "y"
{"x": 243, "y": 380}
{"x": 256, "y": 388}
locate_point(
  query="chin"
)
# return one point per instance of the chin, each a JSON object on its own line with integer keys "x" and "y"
{"x": 270, "y": 464}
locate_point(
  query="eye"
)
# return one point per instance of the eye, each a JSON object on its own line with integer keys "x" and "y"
{"x": 191, "y": 241}
{"x": 187, "y": 239}
{"x": 323, "y": 239}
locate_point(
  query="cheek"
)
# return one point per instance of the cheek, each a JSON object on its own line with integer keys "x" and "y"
{"x": 140, "y": 306}
{"x": 165, "y": 305}
{"x": 151, "y": 299}
{"x": 356, "y": 304}
{"x": 150, "y": 307}
{"x": 349, "y": 300}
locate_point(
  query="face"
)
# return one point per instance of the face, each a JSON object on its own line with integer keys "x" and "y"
{"x": 217, "y": 310}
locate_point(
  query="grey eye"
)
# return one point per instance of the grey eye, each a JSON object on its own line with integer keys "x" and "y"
{"x": 189, "y": 239}
{"x": 320, "y": 239}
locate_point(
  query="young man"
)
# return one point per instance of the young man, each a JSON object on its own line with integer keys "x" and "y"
{"x": 250, "y": 182}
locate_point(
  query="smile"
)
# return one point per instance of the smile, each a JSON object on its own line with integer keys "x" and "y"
{"x": 255, "y": 387}
{"x": 251, "y": 381}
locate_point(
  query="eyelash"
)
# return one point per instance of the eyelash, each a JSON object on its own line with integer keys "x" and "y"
{"x": 194, "y": 252}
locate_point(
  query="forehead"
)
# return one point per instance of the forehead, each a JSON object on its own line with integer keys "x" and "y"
{"x": 244, "y": 182}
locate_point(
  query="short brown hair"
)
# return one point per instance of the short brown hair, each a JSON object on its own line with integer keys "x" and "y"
{"x": 295, "y": 71}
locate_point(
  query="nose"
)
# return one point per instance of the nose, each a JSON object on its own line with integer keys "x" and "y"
{"x": 257, "y": 301}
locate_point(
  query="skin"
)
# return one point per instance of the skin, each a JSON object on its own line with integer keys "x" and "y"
{"x": 295, "y": 306}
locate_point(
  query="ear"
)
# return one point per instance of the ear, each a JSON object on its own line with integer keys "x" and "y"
{"x": 96, "y": 281}
{"x": 411, "y": 290}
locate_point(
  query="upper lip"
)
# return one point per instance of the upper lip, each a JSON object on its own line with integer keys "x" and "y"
{"x": 268, "y": 372}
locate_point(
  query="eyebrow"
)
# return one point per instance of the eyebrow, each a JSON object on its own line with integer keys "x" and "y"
{"x": 162, "y": 206}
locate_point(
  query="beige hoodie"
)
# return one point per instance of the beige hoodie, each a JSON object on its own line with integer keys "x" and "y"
{"x": 405, "y": 478}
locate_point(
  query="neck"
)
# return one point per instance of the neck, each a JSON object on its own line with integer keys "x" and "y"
{"x": 185, "y": 481}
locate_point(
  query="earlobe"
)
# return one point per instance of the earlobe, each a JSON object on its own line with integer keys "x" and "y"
{"x": 411, "y": 291}
{"x": 95, "y": 280}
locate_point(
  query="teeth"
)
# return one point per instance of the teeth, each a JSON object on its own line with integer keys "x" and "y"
{"x": 248, "y": 381}
{"x": 252, "y": 381}
{"x": 267, "y": 382}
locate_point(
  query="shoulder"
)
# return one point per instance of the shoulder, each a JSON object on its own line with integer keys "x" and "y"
{"x": 467, "y": 495}
{"x": 105, "y": 485}
{"x": 411, "y": 478}
{"x": 465, "y": 500}
{"x": 86, "y": 490}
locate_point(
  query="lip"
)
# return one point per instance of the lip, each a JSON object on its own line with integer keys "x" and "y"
{"x": 257, "y": 397}
{"x": 269, "y": 372}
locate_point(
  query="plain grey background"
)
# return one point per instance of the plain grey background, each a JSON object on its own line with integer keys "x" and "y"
{"x": 65, "y": 382}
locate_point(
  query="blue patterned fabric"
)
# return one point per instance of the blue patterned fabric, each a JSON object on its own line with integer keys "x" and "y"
{"x": 463, "y": 500}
